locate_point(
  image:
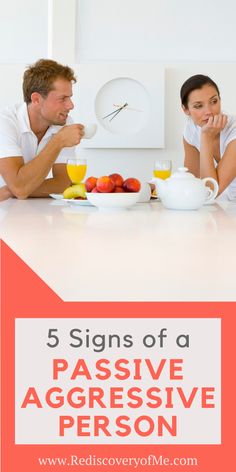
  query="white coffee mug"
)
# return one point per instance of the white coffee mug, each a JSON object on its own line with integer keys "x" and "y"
{"x": 89, "y": 130}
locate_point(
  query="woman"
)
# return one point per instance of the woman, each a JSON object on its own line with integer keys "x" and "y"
{"x": 210, "y": 135}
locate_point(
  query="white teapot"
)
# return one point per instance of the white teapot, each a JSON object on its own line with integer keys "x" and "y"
{"x": 183, "y": 191}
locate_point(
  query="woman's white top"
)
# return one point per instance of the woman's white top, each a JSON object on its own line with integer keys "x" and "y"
{"x": 192, "y": 134}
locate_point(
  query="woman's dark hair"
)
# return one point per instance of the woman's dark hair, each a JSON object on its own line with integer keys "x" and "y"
{"x": 195, "y": 82}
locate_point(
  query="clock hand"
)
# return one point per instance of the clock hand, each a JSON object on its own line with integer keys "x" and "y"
{"x": 129, "y": 108}
{"x": 118, "y": 111}
{"x": 112, "y": 113}
{"x": 115, "y": 111}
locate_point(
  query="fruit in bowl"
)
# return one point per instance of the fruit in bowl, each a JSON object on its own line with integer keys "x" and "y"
{"x": 90, "y": 183}
{"x": 119, "y": 190}
{"x": 112, "y": 192}
{"x": 112, "y": 183}
{"x": 117, "y": 179}
{"x": 105, "y": 184}
{"x": 131, "y": 185}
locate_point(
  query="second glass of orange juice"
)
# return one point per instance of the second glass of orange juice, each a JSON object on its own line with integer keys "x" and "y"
{"x": 76, "y": 170}
{"x": 162, "y": 169}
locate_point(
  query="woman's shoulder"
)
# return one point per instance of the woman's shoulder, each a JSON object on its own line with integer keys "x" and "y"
{"x": 230, "y": 126}
{"x": 231, "y": 120}
{"x": 229, "y": 132}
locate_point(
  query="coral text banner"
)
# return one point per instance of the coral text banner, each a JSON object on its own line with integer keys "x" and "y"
{"x": 112, "y": 385}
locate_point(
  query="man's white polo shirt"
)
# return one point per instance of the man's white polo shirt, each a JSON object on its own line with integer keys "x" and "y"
{"x": 17, "y": 138}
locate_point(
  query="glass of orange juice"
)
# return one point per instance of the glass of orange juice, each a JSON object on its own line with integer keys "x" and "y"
{"x": 76, "y": 169}
{"x": 162, "y": 169}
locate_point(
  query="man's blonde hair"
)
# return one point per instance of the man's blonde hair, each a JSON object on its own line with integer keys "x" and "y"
{"x": 40, "y": 77}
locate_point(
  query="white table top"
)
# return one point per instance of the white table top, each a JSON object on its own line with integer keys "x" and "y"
{"x": 146, "y": 253}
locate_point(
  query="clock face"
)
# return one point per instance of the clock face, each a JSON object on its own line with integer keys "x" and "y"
{"x": 127, "y": 103}
{"x": 122, "y": 106}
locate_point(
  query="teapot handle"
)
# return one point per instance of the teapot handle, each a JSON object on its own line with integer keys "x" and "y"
{"x": 212, "y": 193}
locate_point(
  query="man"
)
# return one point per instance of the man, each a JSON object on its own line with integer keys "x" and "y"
{"x": 37, "y": 136}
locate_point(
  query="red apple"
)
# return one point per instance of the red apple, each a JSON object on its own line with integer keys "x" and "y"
{"x": 131, "y": 185}
{"x": 90, "y": 183}
{"x": 119, "y": 190}
{"x": 117, "y": 179}
{"x": 95, "y": 190}
{"x": 105, "y": 184}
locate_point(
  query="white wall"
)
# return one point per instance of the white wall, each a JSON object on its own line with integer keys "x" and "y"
{"x": 163, "y": 30}
{"x": 23, "y": 30}
{"x": 198, "y": 38}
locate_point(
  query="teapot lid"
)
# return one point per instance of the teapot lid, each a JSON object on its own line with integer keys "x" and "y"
{"x": 182, "y": 173}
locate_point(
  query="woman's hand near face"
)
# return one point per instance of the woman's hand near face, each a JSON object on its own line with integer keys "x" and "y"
{"x": 214, "y": 125}
{"x": 210, "y": 140}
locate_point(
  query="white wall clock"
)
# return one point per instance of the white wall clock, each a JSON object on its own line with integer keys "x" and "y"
{"x": 127, "y": 103}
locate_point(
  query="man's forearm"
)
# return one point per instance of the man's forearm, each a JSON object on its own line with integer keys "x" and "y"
{"x": 5, "y": 193}
{"x": 33, "y": 174}
{"x": 53, "y": 185}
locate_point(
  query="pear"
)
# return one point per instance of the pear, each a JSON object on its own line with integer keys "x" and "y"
{"x": 75, "y": 191}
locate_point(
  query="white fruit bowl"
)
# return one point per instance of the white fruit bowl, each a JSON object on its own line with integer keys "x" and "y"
{"x": 113, "y": 201}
